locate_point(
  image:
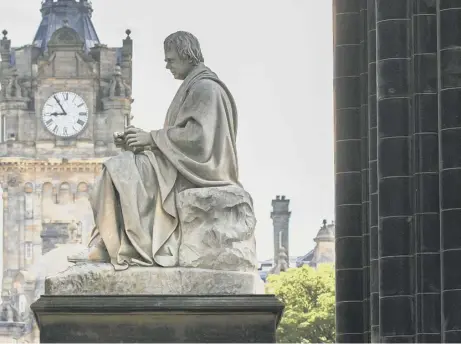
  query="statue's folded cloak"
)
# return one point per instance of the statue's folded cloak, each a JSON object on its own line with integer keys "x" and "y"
{"x": 196, "y": 148}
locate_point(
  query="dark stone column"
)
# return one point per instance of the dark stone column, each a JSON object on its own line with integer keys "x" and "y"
{"x": 396, "y": 299}
{"x": 410, "y": 184}
{"x": 349, "y": 297}
{"x": 373, "y": 174}
{"x": 449, "y": 31}
{"x": 365, "y": 169}
{"x": 425, "y": 173}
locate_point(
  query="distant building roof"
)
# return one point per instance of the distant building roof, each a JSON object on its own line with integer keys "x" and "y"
{"x": 307, "y": 258}
{"x": 77, "y": 15}
{"x": 326, "y": 232}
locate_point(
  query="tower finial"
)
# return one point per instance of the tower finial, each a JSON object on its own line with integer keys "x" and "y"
{"x": 128, "y": 33}
{"x": 5, "y": 34}
{"x": 65, "y": 22}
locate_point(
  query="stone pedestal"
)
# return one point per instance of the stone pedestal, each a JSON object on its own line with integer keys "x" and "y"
{"x": 157, "y": 318}
{"x": 93, "y": 303}
{"x": 102, "y": 279}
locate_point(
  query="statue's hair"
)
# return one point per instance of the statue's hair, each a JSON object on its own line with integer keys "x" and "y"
{"x": 187, "y": 46}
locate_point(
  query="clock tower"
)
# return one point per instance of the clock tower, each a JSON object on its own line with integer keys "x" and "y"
{"x": 62, "y": 97}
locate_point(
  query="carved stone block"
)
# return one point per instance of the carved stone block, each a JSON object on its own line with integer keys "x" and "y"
{"x": 217, "y": 226}
{"x": 102, "y": 279}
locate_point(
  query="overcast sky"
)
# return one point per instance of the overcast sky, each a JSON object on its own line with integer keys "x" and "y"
{"x": 275, "y": 56}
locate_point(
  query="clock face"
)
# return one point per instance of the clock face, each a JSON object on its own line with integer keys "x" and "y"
{"x": 65, "y": 114}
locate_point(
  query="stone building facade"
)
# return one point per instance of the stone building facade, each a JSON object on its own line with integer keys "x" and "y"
{"x": 398, "y": 202}
{"x": 324, "y": 250}
{"x": 61, "y": 99}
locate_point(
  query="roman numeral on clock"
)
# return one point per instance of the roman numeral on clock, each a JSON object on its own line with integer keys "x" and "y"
{"x": 80, "y": 122}
{"x": 83, "y": 114}
{"x": 66, "y": 96}
{"x": 64, "y": 131}
{"x": 55, "y": 129}
{"x": 48, "y": 123}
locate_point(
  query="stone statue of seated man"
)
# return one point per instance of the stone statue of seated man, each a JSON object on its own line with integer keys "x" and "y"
{"x": 178, "y": 184}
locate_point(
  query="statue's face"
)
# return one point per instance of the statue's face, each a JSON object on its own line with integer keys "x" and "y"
{"x": 178, "y": 67}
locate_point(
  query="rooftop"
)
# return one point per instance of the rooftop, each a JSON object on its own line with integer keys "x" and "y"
{"x": 73, "y": 13}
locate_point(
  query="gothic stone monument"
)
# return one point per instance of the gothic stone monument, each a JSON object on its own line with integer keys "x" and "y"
{"x": 172, "y": 257}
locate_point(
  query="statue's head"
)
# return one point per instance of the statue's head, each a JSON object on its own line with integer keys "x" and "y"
{"x": 182, "y": 54}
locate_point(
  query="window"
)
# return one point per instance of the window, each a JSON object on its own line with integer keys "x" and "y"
{"x": 28, "y": 250}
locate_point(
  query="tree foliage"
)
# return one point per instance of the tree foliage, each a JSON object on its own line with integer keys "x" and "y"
{"x": 309, "y": 298}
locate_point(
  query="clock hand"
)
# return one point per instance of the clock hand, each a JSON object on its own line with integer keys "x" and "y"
{"x": 59, "y": 103}
{"x": 56, "y": 114}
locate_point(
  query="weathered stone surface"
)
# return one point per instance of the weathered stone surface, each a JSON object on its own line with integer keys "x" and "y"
{"x": 158, "y": 318}
{"x": 217, "y": 226}
{"x": 102, "y": 279}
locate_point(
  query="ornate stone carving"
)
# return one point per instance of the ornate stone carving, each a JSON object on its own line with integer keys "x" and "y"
{"x": 283, "y": 262}
{"x": 75, "y": 232}
{"x": 13, "y": 180}
{"x": 50, "y": 165}
{"x": 118, "y": 88}
{"x": 14, "y": 90}
{"x": 102, "y": 279}
{"x": 65, "y": 36}
{"x": 217, "y": 228}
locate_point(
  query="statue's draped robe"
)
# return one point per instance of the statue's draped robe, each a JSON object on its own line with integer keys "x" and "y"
{"x": 134, "y": 200}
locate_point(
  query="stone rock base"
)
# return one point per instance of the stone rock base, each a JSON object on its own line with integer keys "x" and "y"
{"x": 158, "y": 319}
{"x": 217, "y": 229}
{"x": 102, "y": 279}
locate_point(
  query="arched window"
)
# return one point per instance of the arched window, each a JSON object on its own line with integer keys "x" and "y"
{"x": 65, "y": 194}
{"x": 82, "y": 191}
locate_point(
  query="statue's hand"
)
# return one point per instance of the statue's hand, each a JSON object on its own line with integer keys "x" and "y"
{"x": 137, "y": 138}
{"x": 119, "y": 140}
{"x": 131, "y": 129}
{"x": 119, "y": 143}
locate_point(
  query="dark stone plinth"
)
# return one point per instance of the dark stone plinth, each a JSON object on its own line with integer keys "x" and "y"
{"x": 157, "y": 318}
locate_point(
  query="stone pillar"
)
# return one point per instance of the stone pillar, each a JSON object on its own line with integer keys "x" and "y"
{"x": 281, "y": 219}
{"x": 373, "y": 276}
{"x": 365, "y": 169}
{"x": 4, "y": 233}
{"x": 348, "y": 172}
{"x": 411, "y": 177}
{"x": 449, "y": 121}
{"x": 426, "y": 174}
{"x": 395, "y": 244}
{"x": 21, "y": 231}
{"x": 37, "y": 240}
{"x": 11, "y": 234}
{"x": 5, "y": 50}
{"x": 127, "y": 56}
{"x": 117, "y": 111}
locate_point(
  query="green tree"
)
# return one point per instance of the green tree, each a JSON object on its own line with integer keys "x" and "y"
{"x": 309, "y": 298}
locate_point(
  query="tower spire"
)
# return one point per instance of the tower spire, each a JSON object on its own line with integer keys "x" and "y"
{"x": 55, "y": 13}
